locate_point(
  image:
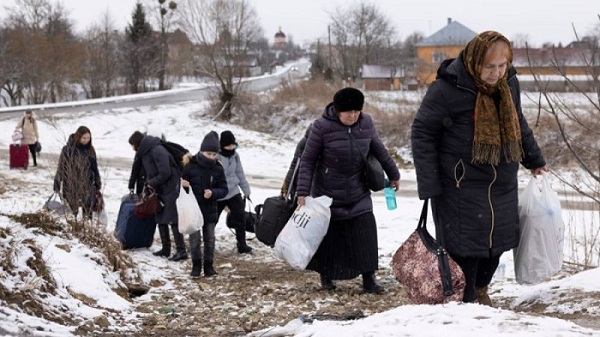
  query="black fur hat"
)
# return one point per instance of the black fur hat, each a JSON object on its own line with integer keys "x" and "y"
{"x": 210, "y": 142}
{"x": 227, "y": 138}
{"x": 348, "y": 99}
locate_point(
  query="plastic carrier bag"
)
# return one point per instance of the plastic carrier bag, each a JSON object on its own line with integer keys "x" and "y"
{"x": 304, "y": 231}
{"x": 189, "y": 216}
{"x": 540, "y": 251}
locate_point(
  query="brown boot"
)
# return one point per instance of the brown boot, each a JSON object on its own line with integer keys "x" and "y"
{"x": 483, "y": 297}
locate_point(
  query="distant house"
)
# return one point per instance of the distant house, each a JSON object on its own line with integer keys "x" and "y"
{"x": 443, "y": 44}
{"x": 380, "y": 77}
{"x": 551, "y": 64}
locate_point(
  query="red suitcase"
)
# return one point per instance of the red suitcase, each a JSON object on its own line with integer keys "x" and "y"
{"x": 19, "y": 156}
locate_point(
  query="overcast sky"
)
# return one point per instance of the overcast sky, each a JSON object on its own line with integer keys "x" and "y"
{"x": 541, "y": 20}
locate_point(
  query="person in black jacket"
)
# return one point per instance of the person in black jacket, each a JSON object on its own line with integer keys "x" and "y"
{"x": 332, "y": 164}
{"x": 137, "y": 178}
{"x": 468, "y": 138}
{"x": 162, "y": 176}
{"x": 207, "y": 178}
{"x": 77, "y": 172}
{"x": 288, "y": 183}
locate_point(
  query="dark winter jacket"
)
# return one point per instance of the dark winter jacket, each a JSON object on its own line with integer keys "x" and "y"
{"x": 203, "y": 173}
{"x": 78, "y": 174}
{"x": 162, "y": 174}
{"x": 137, "y": 178}
{"x": 332, "y": 156}
{"x": 288, "y": 183}
{"x": 475, "y": 204}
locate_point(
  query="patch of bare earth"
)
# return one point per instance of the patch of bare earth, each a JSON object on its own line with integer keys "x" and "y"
{"x": 249, "y": 295}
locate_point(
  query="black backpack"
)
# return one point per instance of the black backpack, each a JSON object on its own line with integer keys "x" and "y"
{"x": 177, "y": 151}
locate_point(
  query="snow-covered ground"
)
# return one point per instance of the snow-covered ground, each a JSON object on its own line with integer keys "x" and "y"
{"x": 266, "y": 159}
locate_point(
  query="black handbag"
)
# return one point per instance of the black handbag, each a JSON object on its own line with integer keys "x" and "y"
{"x": 373, "y": 170}
{"x": 250, "y": 220}
{"x": 38, "y": 147}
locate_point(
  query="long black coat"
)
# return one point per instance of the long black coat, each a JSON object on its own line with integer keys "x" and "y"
{"x": 332, "y": 155}
{"x": 475, "y": 204}
{"x": 78, "y": 174}
{"x": 202, "y": 174}
{"x": 162, "y": 174}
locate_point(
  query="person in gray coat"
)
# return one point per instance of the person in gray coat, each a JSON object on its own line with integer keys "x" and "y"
{"x": 163, "y": 176}
{"x": 236, "y": 180}
{"x": 468, "y": 138}
{"x": 333, "y": 164}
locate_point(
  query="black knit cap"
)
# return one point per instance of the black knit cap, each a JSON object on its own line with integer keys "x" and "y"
{"x": 210, "y": 142}
{"x": 227, "y": 138}
{"x": 348, "y": 99}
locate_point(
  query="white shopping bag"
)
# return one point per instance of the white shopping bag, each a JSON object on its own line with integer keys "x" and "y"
{"x": 303, "y": 233}
{"x": 540, "y": 252}
{"x": 189, "y": 215}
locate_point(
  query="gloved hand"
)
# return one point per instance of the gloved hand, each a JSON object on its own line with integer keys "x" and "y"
{"x": 131, "y": 191}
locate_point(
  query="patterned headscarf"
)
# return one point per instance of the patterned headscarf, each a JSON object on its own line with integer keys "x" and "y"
{"x": 497, "y": 130}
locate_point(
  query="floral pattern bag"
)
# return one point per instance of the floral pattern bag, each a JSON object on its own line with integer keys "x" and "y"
{"x": 425, "y": 269}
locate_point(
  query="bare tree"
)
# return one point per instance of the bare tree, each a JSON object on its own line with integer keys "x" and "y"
{"x": 99, "y": 71}
{"x": 359, "y": 32}
{"x": 575, "y": 128}
{"x": 43, "y": 50}
{"x": 223, "y": 31}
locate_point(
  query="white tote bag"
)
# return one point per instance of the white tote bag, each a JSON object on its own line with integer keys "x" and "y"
{"x": 303, "y": 233}
{"x": 540, "y": 251}
{"x": 189, "y": 215}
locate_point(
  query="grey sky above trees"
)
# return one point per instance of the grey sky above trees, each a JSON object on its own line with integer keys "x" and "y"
{"x": 541, "y": 20}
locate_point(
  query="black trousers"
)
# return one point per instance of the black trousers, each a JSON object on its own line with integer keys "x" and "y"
{"x": 478, "y": 273}
{"x": 33, "y": 153}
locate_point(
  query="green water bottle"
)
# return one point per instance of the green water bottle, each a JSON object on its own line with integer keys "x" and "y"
{"x": 390, "y": 196}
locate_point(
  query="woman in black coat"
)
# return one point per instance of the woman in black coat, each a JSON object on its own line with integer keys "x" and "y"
{"x": 333, "y": 164}
{"x": 468, "y": 139}
{"x": 162, "y": 176}
{"x": 77, "y": 172}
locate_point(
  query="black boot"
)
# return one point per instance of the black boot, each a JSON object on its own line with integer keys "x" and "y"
{"x": 240, "y": 236}
{"x": 327, "y": 283}
{"x": 179, "y": 244}
{"x": 196, "y": 268}
{"x": 208, "y": 269}
{"x": 163, "y": 230}
{"x": 370, "y": 284}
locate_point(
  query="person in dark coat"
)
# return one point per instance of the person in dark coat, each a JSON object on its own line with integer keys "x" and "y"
{"x": 207, "y": 178}
{"x": 137, "y": 178}
{"x": 77, "y": 172}
{"x": 468, "y": 138}
{"x": 332, "y": 164}
{"x": 287, "y": 182}
{"x": 162, "y": 176}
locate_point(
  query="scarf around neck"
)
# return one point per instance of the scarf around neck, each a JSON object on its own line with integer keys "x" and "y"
{"x": 497, "y": 133}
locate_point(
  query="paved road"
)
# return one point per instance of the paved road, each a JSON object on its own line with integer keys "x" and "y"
{"x": 257, "y": 84}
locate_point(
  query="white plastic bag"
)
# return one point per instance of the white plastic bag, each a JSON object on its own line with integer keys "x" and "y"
{"x": 189, "y": 216}
{"x": 540, "y": 252}
{"x": 303, "y": 233}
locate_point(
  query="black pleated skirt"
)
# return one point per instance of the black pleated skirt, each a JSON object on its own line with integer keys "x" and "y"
{"x": 348, "y": 249}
